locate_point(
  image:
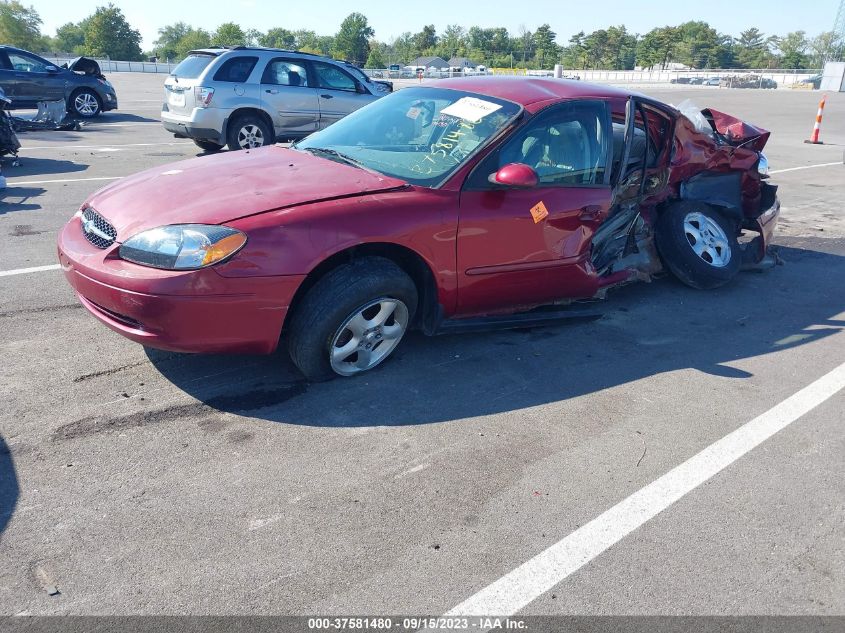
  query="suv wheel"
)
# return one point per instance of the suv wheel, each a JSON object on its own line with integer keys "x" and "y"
{"x": 248, "y": 131}
{"x": 85, "y": 103}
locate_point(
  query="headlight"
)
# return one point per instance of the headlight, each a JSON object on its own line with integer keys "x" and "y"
{"x": 182, "y": 246}
{"x": 763, "y": 165}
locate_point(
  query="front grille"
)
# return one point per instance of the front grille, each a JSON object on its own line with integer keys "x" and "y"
{"x": 96, "y": 229}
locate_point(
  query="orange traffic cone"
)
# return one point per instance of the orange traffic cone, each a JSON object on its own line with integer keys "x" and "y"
{"x": 814, "y": 139}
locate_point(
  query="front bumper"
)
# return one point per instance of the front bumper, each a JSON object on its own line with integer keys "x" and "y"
{"x": 181, "y": 311}
{"x": 109, "y": 100}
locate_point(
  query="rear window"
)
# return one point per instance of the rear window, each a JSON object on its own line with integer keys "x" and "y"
{"x": 192, "y": 66}
{"x": 236, "y": 69}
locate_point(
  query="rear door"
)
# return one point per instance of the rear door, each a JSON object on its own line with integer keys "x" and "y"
{"x": 522, "y": 247}
{"x": 33, "y": 82}
{"x": 340, "y": 93}
{"x": 286, "y": 91}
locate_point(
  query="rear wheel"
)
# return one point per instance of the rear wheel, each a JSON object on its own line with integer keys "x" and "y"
{"x": 248, "y": 131}
{"x": 85, "y": 103}
{"x": 352, "y": 319}
{"x": 698, "y": 244}
{"x": 208, "y": 146}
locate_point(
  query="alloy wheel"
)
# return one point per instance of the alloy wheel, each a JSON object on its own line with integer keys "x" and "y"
{"x": 707, "y": 239}
{"x": 86, "y": 104}
{"x": 368, "y": 336}
{"x": 250, "y": 136}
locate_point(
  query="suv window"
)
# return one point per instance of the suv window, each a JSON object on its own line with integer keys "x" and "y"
{"x": 333, "y": 78}
{"x": 27, "y": 63}
{"x": 236, "y": 69}
{"x": 566, "y": 146}
{"x": 284, "y": 72}
{"x": 192, "y": 66}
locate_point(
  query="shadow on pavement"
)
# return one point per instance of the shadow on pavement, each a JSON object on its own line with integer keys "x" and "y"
{"x": 33, "y": 166}
{"x": 647, "y": 329}
{"x": 9, "y": 490}
{"x": 17, "y": 198}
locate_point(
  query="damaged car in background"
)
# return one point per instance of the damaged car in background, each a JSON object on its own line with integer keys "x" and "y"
{"x": 470, "y": 203}
{"x": 29, "y": 79}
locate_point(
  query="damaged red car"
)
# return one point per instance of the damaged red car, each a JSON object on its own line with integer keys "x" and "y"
{"x": 465, "y": 203}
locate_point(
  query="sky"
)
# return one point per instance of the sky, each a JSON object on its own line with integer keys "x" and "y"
{"x": 390, "y": 18}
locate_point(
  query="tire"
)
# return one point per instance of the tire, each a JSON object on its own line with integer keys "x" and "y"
{"x": 85, "y": 103}
{"x": 208, "y": 146}
{"x": 248, "y": 131}
{"x": 698, "y": 244}
{"x": 344, "y": 310}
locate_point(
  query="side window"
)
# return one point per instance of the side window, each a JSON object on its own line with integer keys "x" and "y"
{"x": 283, "y": 72}
{"x": 567, "y": 146}
{"x": 28, "y": 64}
{"x": 4, "y": 62}
{"x": 333, "y": 78}
{"x": 236, "y": 69}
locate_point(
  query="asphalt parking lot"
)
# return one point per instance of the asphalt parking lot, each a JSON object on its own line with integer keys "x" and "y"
{"x": 143, "y": 482}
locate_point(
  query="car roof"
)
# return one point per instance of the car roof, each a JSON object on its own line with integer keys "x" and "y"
{"x": 220, "y": 50}
{"x": 529, "y": 90}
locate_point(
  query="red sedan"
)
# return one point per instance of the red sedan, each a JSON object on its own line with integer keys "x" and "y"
{"x": 450, "y": 205}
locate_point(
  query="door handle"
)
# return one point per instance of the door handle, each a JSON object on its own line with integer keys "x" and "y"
{"x": 272, "y": 92}
{"x": 590, "y": 212}
{"x": 327, "y": 96}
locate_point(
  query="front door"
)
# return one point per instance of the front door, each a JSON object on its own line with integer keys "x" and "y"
{"x": 339, "y": 93}
{"x": 523, "y": 247}
{"x": 33, "y": 82}
{"x": 286, "y": 91}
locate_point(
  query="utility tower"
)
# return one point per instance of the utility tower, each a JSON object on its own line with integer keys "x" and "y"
{"x": 836, "y": 53}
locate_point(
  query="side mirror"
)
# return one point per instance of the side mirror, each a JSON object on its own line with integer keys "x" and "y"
{"x": 515, "y": 175}
{"x": 360, "y": 88}
{"x": 51, "y": 69}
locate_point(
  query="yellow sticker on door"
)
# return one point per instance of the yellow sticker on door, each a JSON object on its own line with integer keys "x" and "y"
{"x": 539, "y": 212}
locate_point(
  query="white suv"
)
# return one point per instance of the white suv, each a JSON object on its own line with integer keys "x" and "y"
{"x": 248, "y": 97}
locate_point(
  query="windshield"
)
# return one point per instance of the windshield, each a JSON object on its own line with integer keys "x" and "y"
{"x": 192, "y": 66}
{"x": 421, "y": 135}
{"x": 358, "y": 73}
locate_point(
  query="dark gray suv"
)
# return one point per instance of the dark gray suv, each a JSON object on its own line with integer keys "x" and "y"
{"x": 27, "y": 79}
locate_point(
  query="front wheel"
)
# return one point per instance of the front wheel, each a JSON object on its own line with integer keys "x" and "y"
{"x": 85, "y": 103}
{"x": 352, "y": 319}
{"x": 698, "y": 244}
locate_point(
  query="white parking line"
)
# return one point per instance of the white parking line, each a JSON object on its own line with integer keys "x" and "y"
{"x": 780, "y": 171}
{"x": 530, "y": 580}
{"x": 14, "y": 183}
{"x": 29, "y": 149}
{"x": 23, "y": 271}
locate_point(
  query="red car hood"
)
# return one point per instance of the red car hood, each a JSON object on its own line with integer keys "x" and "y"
{"x": 224, "y": 187}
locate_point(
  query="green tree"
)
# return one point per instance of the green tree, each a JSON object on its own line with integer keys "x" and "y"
{"x": 168, "y": 38}
{"x": 229, "y": 34}
{"x": 352, "y": 40}
{"x": 278, "y": 38}
{"x": 70, "y": 38}
{"x": 375, "y": 58}
{"x": 403, "y": 47}
{"x": 108, "y": 34}
{"x": 547, "y": 50}
{"x": 20, "y": 26}
{"x": 425, "y": 40}
{"x": 192, "y": 40}
{"x": 824, "y": 47}
{"x": 752, "y": 49}
{"x": 658, "y": 46}
{"x": 793, "y": 50}
{"x": 453, "y": 42}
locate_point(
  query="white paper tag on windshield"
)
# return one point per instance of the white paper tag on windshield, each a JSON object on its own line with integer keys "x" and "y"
{"x": 470, "y": 108}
